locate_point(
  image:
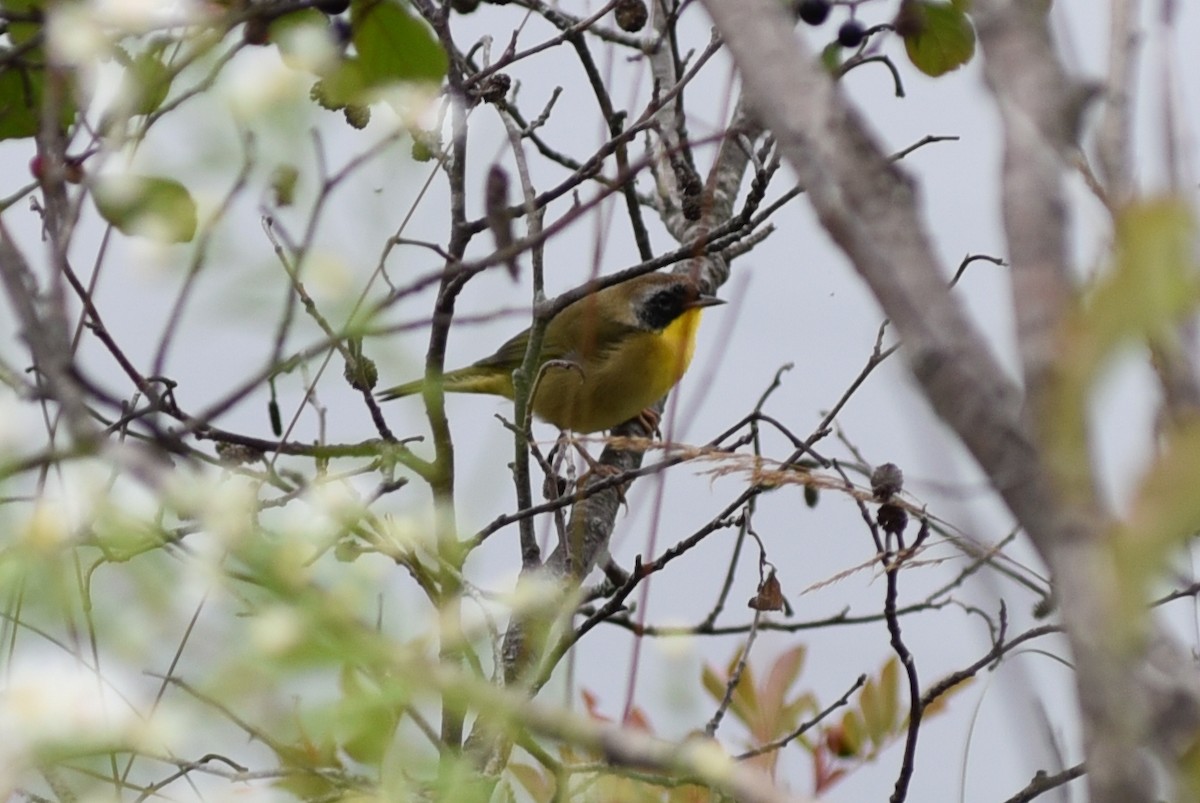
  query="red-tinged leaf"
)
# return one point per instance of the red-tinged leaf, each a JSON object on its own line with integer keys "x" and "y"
{"x": 590, "y": 704}
{"x": 638, "y": 720}
{"x": 804, "y": 704}
{"x": 825, "y": 774}
{"x": 783, "y": 675}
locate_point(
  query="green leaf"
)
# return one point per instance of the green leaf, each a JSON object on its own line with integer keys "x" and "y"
{"x": 851, "y": 735}
{"x": 147, "y": 81}
{"x": 297, "y": 35}
{"x": 536, "y": 782}
{"x": 831, "y": 58}
{"x": 1151, "y": 287}
{"x": 148, "y": 206}
{"x": 744, "y": 703}
{"x": 366, "y": 720}
{"x": 1164, "y": 515}
{"x": 940, "y": 703}
{"x": 21, "y": 92}
{"x": 394, "y": 46}
{"x": 20, "y": 100}
{"x": 1153, "y": 284}
{"x": 21, "y": 31}
{"x": 283, "y": 184}
{"x": 941, "y": 38}
{"x": 22, "y": 82}
{"x": 889, "y": 688}
{"x": 870, "y": 704}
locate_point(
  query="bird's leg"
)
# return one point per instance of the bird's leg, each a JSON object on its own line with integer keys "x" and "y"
{"x": 602, "y": 470}
{"x": 555, "y": 484}
{"x": 649, "y": 419}
{"x": 614, "y": 573}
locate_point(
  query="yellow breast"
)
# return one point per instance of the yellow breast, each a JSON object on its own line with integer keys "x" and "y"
{"x": 618, "y": 385}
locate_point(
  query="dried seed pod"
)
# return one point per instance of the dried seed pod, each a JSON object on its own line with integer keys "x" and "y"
{"x": 631, "y": 15}
{"x": 892, "y": 518}
{"x": 887, "y": 480}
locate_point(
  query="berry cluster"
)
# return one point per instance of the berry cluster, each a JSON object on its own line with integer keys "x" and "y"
{"x": 815, "y": 12}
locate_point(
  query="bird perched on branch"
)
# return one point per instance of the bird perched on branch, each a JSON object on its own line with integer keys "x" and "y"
{"x": 612, "y": 354}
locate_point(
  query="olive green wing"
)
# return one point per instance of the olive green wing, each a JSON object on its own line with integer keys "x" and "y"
{"x": 509, "y": 356}
{"x": 571, "y": 335}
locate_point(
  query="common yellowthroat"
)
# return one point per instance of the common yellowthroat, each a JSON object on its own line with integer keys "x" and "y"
{"x": 630, "y": 343}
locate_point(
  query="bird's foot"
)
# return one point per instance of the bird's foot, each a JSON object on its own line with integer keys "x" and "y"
{"x": 602, "y": 471}
{"x": 650, "y": 419}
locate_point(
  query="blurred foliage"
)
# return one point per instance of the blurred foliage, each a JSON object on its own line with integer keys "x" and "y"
{"x": 938, "y": 36}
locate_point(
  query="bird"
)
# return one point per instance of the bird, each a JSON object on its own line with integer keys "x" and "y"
{"x": 615, "y": 352}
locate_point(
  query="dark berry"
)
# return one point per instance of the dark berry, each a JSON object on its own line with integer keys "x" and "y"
{"x": 631, "y": 15}
{"x": 814, "y": 12}
{"x": 342, "y": 33}
{"x": 495, "y": 88}
{"x": 892, "y": 518}
{"x": 73, "y": 170}
{"x": 851, "y": 33}
{"x": 464, "y": 6}
{"x": 257, "y": 31}
{"x": 332, "y": 7}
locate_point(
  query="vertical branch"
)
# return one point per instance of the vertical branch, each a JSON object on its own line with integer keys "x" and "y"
{"x": 1114, "y": 138}
{"x": 870, "y": 209}
{"x": 441, "y": 478}
{"x": 44, "y": 321}
{"x": 1039, "y": 107}
{"x": 616, "y": 123}
{"x": 1176, "y": 367}
{"x": 523, "y": 377}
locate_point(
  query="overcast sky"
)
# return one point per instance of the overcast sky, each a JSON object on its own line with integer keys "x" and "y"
{"x": 793, "y": 300}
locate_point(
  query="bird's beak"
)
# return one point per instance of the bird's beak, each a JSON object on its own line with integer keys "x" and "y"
{"x": 704, "y": 301}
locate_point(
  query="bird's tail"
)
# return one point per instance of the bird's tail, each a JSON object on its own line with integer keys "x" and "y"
{"x": 400, "y": 391}
{"x": 464, "y": 380}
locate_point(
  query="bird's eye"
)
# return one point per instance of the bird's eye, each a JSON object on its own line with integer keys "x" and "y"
{"x": 663, "y": 306}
